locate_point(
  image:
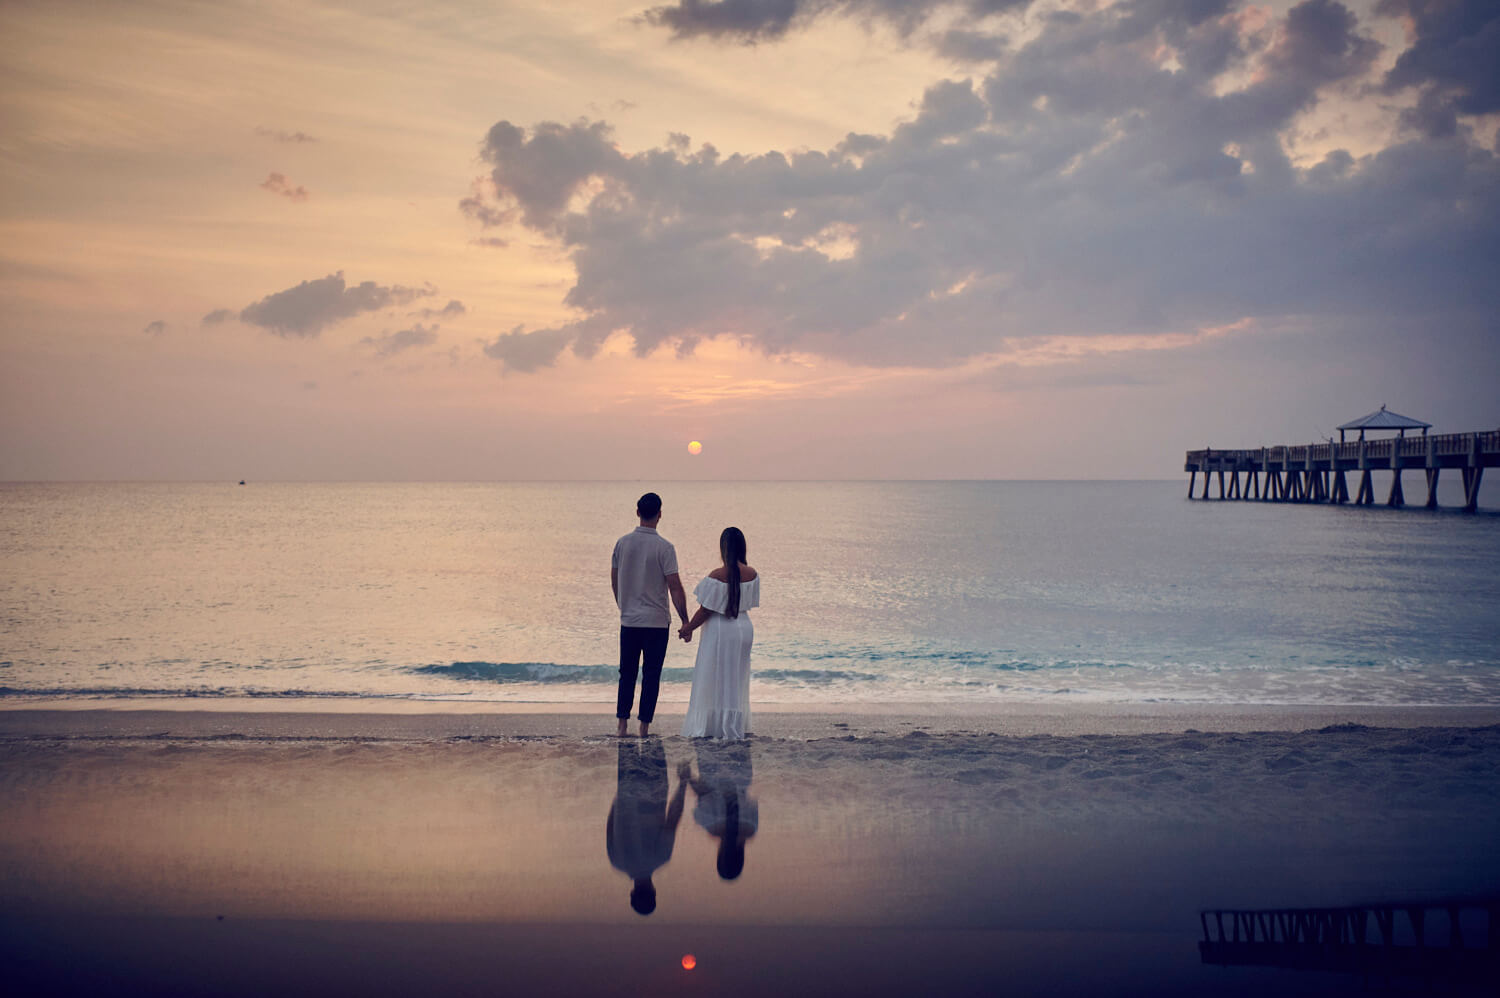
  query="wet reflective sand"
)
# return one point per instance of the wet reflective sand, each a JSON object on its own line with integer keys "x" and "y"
{"x": 149, "y": 862}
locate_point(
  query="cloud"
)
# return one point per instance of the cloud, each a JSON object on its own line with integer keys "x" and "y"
{"x": 750, "y": 21}
{"x": 1454, "y": 61}
{"x": 452, "y": 310}
{"x": 618, "y": 106}
{"x": 307, "y": 309}
{"x": 280, "y": 136}
{"x": 218, "y": 315}
{"x": 277, "y": 184}
{"x": 1320, "y": 44}
{"x": 523, "y": 351}
{"x": 744, "y": 20}
{"x": 155, "y": 328}
{"x": 388, "y": 344}
{"x": 965, "y": 45}
{"x": 1122, "y": 173}
{"x": 541, "y": 172}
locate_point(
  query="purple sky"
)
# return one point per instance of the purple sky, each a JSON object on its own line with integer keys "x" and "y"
{"x": 827, "y": 238}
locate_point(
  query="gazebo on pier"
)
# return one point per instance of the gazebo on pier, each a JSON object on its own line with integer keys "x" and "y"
{"x": 1384, "y": 419}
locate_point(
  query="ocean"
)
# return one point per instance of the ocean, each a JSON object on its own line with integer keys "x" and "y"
{"x": 873, "y": 592}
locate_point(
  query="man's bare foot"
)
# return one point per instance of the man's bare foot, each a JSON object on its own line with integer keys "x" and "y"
{"x": 645, "y": 728}
{"x": 623, "y": 725}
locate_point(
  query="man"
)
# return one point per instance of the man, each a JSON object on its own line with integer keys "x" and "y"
{"x": 642, "y": 573}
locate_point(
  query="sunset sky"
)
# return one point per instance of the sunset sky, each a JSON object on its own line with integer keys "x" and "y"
{"x": 827, "y": 238}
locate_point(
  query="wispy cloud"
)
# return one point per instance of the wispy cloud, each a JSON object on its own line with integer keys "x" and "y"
{"x": 277, "y": 183}
{"x": 388, "y": 344}
{"x": 452, "y": 310}
{"x": 752, "y": 21}
{"x": 277, "y": 135}
{"x": 305, "y": 310}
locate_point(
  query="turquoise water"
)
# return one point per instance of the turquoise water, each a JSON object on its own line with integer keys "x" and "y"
{"x": 897, "y": 592}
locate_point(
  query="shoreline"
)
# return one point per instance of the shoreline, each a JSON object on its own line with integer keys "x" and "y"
{"x": 425, "y": 721}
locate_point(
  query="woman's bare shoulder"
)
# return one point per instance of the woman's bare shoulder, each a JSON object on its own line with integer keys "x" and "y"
{"x": 748, "y": 574}
{"x": 720, "y": 574}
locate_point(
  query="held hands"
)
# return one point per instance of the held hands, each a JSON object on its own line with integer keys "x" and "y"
{"x": 685, "y": 632}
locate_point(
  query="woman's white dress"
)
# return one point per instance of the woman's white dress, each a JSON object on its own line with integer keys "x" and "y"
{"x": 719, "y": 706}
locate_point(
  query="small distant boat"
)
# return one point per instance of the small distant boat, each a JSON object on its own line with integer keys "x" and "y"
{"x": 242, "y": 481}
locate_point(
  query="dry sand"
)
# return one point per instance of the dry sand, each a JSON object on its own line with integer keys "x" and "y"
{"x": 1052, "y": 852}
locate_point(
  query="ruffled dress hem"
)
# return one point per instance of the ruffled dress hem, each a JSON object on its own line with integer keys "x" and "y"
{"x": 723, "y": 723}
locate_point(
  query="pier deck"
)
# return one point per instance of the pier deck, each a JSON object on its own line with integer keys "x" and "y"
{"x": 1315, "y": 472}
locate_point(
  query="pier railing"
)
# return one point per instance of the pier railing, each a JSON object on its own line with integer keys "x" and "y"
{"x": 1314, "y": 472}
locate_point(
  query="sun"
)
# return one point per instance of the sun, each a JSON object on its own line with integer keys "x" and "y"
{"x": 694, "y": 447}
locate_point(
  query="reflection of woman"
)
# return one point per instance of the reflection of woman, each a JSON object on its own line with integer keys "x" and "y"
{"x": 719, "y": 706}
{"x": 725, "y": 808}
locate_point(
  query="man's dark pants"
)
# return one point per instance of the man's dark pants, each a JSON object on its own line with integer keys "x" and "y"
{"x": 636, "y": 643}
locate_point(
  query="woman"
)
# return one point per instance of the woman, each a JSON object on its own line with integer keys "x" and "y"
{"x": 719, "y": 706}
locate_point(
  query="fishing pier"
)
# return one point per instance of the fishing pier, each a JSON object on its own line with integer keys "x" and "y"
{"x": 1316, "y": 473}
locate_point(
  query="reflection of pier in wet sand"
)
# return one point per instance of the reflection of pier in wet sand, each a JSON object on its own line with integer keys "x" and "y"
{"x": 1454, "y": 940}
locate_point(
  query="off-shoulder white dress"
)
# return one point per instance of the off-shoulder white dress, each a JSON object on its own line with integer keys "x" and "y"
{"x": 719, "y": 706}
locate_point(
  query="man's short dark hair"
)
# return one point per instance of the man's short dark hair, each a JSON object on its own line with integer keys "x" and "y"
{"x": 648, "y": 506}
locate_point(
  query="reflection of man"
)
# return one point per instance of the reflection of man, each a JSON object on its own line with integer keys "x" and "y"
{"x": 643, "y": 572}
{"x": 642, "y": 826}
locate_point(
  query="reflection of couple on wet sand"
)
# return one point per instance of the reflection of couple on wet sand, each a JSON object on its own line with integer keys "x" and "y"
{"x": 642, "y": 826}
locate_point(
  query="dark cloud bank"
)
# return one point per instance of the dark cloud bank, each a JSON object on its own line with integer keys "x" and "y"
{"x": 1080, "y": 187}
{"x": 1455, "y": 60}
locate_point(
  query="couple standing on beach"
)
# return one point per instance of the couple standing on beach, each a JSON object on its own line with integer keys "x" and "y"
{"x": 643, "y": 574}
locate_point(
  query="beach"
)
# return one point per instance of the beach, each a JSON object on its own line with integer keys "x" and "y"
{"x": 1032, "y": 738}
{"x": 1052, "y": 851}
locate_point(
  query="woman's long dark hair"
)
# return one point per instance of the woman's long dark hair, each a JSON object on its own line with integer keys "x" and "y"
{"x": 732, "y": 549}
